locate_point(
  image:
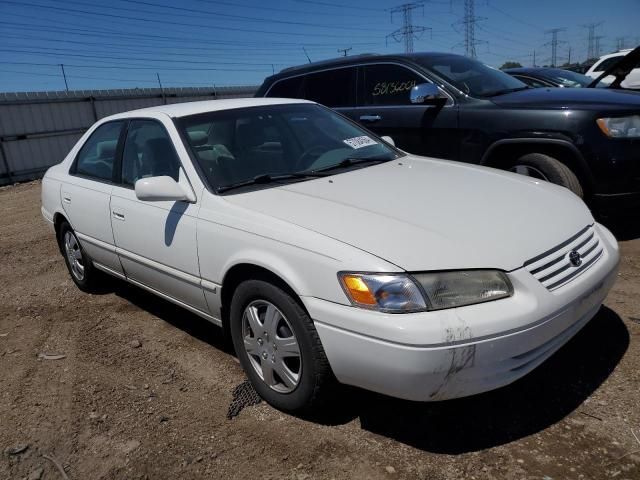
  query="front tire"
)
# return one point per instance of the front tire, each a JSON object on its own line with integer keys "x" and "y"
{"x": 544, "y": 167}
{"x": 278, "y": 347}
{"x": 80, "y": 267}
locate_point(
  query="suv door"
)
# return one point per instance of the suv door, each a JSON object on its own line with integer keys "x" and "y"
{"x": 87, "y": 192}
{"x": 385, "y": 108}
{"x": 156, "y": 241}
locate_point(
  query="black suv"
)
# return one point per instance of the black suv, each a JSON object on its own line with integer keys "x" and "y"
{"x": 452, "y": 107}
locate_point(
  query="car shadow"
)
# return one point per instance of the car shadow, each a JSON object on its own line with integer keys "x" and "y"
{"x": 540, "y": 399}
{"x": 176, "y": 316}
{"x": 545, "y": 396}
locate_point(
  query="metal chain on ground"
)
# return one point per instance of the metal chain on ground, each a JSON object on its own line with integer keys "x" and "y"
{"x": 244, "y": 395}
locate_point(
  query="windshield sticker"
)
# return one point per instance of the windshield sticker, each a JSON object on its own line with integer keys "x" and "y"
{"x": 360, "y": 142}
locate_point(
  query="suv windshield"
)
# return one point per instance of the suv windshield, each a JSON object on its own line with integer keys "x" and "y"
{"x": 568, "y": 78}
{"x": 470, "y": 76}
{"x": 277, "y": 143}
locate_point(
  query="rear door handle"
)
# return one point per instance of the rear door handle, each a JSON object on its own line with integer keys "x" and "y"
{"x": 370, "y": 118}
{"x": 118, "y": 215}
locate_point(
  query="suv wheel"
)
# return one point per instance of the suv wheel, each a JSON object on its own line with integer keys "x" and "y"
{"x": 83, "y": 274}
{"x": 544, "y": 167}
{"x": 278, "y": 346}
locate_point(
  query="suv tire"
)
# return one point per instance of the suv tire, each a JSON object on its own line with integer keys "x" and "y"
{"x": 539, "y": 165}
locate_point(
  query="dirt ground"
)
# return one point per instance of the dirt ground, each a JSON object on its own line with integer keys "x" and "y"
{"x": 116, "y": 408}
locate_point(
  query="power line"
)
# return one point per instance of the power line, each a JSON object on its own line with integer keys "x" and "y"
{"x": 408, "y": 32}
{"x": 168, "y": 22}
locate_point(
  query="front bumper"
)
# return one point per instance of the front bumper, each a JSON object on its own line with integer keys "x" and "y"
{"x": 463, "y": 351}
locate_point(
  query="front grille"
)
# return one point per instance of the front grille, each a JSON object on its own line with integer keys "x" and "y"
{"x": 554, "y": 268}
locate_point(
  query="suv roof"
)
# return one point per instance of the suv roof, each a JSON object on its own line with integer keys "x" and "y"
{"x": 339, "y": 61}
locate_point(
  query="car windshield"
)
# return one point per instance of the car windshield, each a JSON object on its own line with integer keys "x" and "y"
{"x": 278, "y": 143}
{"x": 470, "y": 76}
{"x": 567, "y": 78}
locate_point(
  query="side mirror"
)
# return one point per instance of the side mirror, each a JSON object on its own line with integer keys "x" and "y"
{"x": 426, "y": 94}
{"x": 388, "y": 139}
{"x": 161, "y": 189}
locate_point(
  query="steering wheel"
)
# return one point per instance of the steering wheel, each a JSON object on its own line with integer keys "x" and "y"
{"x": 315, "y": 150}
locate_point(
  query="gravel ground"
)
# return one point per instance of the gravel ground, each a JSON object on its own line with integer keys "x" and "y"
{"x": 144, "y": 388}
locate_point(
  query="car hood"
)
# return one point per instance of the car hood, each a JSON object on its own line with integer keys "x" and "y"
{"x": 427, "y": 214}
{"x": 567, "y": 98}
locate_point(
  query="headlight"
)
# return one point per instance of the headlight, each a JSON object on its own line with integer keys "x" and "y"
{"x": 620, "y": 127}
{"x": 458, "y": 288}
{"x": 401, "y": 293}
{"x": 386, "y": 292}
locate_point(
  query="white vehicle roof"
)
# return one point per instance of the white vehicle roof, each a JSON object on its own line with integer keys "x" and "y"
{"x": 193, "y": 108}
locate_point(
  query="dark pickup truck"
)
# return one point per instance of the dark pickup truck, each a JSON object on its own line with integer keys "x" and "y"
{"x": 452, "y": 107}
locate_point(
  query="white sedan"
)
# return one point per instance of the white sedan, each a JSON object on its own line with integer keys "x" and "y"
{"x": 327, "y": 253}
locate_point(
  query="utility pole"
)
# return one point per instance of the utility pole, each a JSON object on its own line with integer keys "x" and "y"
{"x": 164, "y": 98}
{"x": 306, "y": 54}
{"x": 64, "y": 75}
{"x": 408, "y": 32}
{"x": 569, "y": 60}
{"x": 554, "y": 44}
{"x": 534, "y": 58}
{"x": 345, "y": 51}
{"x": 591, "y": 27}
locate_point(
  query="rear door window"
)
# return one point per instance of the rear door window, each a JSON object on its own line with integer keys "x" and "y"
{"x": 389, "y": 84}
{"x": 97, "y": 155}
{"x": 332, "y": 88}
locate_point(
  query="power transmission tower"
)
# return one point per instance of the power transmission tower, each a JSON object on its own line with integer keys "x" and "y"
{"x": 597, "y": 39}
{"x": 591, "y": 27}
{"x": 554, "y": 44}
{"x": 345, "y": 51}
{"x": 408, "y": 32}
{"x": 469, "y": 22}
{"x": 620, "y": 43}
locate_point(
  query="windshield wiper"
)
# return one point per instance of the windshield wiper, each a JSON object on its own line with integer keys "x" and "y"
{"x": 267, "y": 178}
{"x": 347, "y": 162}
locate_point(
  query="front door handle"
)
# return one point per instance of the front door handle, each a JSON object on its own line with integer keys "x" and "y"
{"x": 370, "y": 118}
{"x": 118, "y": 215}
{"x": 66, "y": 199}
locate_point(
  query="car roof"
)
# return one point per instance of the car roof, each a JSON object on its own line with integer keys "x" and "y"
{"x": 194, "y": 108}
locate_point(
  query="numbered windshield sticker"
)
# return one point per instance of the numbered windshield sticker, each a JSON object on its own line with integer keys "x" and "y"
{"x": 360, "y": 142}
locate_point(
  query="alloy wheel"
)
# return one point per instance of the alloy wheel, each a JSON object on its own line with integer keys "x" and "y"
{"x": 529, "y": 171}
{"x": 74, "y": 255}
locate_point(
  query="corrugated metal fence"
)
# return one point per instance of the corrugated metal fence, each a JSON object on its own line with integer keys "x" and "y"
{"x": 37, "y": 130}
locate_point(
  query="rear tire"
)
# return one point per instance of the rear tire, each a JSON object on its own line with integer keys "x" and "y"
{"x": 80, "y": 267}
{"x": 544, "y": 167}
{"x": 278, "y": 319}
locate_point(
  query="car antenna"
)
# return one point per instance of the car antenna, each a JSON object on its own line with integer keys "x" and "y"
{"x": 307, "y": 55}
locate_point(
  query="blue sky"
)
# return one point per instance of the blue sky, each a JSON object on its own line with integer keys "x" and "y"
{"x": 124, "y": 43}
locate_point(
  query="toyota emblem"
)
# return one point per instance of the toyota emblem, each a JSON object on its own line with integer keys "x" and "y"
{"x": 575, "y": 258}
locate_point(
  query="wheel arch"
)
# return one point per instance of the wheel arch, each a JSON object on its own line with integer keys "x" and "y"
{"x": 250, "y": 270}
{"x": 501, "y": 152}
{"x": 58, "y": 219}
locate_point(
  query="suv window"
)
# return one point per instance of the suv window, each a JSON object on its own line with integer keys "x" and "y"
{"x": 389, "y": 84}
{"x": 607, "y": 63}
{"x": 148, "y": 152}
{"x": 287, "y": 88}
{"x": 96, "y": 157}
{"x": 332, "y": 88}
